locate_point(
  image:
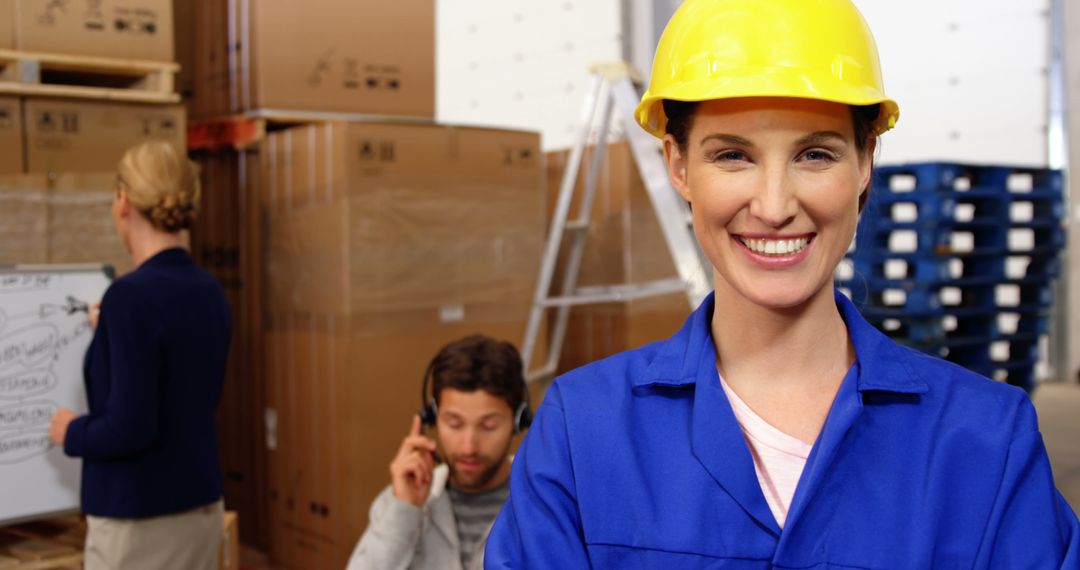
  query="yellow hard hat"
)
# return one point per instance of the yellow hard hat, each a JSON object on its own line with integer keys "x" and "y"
{"x": 811, "y": 49}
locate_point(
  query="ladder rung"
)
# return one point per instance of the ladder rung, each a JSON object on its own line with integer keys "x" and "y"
{"x": 617, "y": 293}
{"x": 546, "y": 371}
{"x": 577, "y": 225}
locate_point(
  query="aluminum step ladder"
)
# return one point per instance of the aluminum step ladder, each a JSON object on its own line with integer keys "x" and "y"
{"x": 611, "y": 93}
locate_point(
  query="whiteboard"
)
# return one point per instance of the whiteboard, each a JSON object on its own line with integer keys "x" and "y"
{"x": 44, "y": 334}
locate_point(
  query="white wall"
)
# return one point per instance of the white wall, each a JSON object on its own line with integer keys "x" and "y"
{"x": 970, "y": 77}
{"x": 522, "y": 63}
{"x": 1072, "y": 54}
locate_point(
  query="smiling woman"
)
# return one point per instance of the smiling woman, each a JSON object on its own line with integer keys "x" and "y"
{"x": 778, "y": 429}
{"x": 775, "y": 186}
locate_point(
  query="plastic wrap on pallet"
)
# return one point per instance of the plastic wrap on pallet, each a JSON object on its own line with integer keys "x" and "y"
{"x": 403, "y": 224}
{"x": 63, "y": 218}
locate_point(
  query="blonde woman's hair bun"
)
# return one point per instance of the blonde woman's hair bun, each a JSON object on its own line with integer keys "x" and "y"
{"x": 162, "y": 184}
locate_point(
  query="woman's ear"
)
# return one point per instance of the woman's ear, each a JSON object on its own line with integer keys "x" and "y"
{"x": 123, "y": 204}
{"x": 676, "y": 166}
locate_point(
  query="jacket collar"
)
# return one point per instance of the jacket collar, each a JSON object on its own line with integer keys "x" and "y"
{"x": 882, "y": 367}
{"x": 173, "y": 256}
{"x": 439, "y": 507}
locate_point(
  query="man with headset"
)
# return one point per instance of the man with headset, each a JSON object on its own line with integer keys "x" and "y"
{"x": 437, "y": 515}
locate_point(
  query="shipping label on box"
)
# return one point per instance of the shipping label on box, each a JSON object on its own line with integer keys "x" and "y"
{"x": 11, "y": 139}
{"x": 127, "y": 29}
{"x": 64, "y": 136}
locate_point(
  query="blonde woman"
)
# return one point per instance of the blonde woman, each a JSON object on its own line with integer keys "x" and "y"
{"x": 778, "y": 429}
{"x": 151, "y": 484}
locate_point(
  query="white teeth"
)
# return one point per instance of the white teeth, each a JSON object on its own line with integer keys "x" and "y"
{"x": 776, "y": 247}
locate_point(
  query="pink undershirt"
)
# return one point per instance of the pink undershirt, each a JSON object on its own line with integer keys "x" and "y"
{"x": 778, "y": 457}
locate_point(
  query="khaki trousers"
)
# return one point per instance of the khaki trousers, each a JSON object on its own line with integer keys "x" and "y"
{"x": 185, "y": 541}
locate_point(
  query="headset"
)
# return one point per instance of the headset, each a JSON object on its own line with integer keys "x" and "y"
{"x": 429, "y": 410}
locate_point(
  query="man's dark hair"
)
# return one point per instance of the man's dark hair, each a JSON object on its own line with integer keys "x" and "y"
{"x": 478, "y": 362}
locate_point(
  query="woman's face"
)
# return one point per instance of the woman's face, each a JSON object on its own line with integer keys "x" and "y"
{"x": 774, "y": 185}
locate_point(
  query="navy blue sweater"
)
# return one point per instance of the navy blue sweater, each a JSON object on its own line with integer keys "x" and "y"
{"x": 153, "y": 380}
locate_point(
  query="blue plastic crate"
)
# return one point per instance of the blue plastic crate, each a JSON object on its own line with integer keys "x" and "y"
{"x": 936, "y": 244}
{"x": 967, "y": 177}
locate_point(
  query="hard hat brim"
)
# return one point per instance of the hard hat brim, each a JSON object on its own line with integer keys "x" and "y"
{"x": 650, "y": 112}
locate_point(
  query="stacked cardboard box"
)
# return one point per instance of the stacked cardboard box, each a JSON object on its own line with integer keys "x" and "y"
{"x": 84, "y": 135}
{"x": 91, "y": 136}
{"x": 69, "y": 161}
{"x": 385, "y": 241}
{"x": 345, "y": 56}
{"x": 55, "y": 142}
{"x": 304, "y": 60}
{"x": 11, "y": 136}
{"x": 60, "y": 218}
{"x": 224, "y": 241}
{"x": 122, "y": 29}
{"x": 624, "y": 245}
{"x": 7, "y": 24}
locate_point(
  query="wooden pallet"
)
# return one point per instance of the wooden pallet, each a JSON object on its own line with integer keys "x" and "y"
{"x": 242, "y": 131}
{"x": 43, "y": 545}
{"x": 56, "y": 75}
{"x": 57, "y": 544}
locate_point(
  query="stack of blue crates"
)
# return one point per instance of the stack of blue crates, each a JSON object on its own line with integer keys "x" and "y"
{"x": 959, "y": 261}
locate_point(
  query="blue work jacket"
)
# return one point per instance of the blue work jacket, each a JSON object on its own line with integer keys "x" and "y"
{"x": 637, "y": 461}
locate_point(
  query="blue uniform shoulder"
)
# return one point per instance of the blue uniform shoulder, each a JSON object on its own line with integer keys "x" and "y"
{"x": 609, "y": 376}
{"x": 971, "y": 397}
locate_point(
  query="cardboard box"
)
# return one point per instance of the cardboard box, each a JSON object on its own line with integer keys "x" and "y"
{"x": 11, "y": 136}
{"x": 184, "y": 38}
{"x": 222, "y": 243}
{"x": 65, "y": 218}
{"x": 7, "y": 24}
{"x": 385, "y": 242}
{"x": 346, "y": 56}
{"x": 624, "y": 245}
{"x": 91, "y": 136}
{"x": 230, "y": 543}
{"x": 126, "y": 29}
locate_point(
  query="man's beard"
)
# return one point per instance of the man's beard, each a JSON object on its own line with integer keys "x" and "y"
{"x": 471, "y": 482}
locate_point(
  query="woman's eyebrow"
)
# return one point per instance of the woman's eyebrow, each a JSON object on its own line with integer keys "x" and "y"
{"x": 820, "y": 137}
{"x": 729, "y": 139}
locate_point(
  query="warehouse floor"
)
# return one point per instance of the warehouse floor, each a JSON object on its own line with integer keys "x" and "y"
{"x": 1059, "y": 421}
